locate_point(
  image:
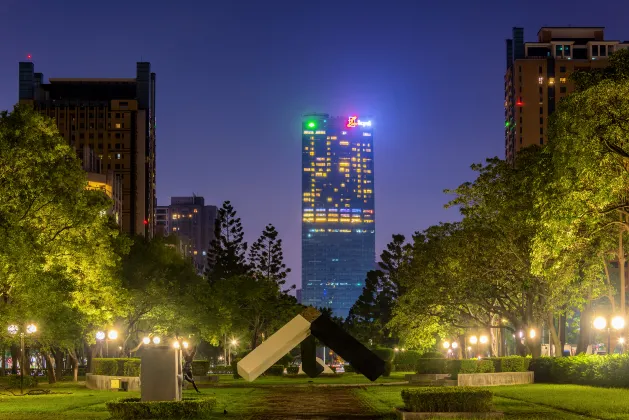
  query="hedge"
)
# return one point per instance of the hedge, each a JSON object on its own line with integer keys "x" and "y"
{"x": 431, "y": 366}
{"x": 15, "y": 381}
{"x": 349, "y": 369}
{"x": 384, "y": 353}
{"x": 200, "y": 367}
{"x": 459, "y": 366}
{"x": 133, "y": 408}
{"x": 606, "y": 371}
{"x": 292, "y": 370}
{"x": 221, "y": 369}
{"x": 275, "y": 370}
{"x": 388, "y": 367}
{"x": 447, "y": 399}
{"x": 116, "y": 367}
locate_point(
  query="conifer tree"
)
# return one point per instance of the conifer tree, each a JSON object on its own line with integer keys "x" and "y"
{"x": 226, "y": 255}
{"x": 266, "y": 257}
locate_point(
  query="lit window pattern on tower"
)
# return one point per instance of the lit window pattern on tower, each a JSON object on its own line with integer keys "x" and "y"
{"x": 338, "y": 217}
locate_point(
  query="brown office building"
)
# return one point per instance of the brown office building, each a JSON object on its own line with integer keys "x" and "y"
{"x": 537, "y": 77}
{"x": 114, "y": 118}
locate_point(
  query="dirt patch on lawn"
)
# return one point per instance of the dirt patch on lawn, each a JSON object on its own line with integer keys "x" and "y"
{"x": 314, "y": 403}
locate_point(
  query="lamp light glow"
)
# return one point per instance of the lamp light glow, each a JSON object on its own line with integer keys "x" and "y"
{"x": 13, "y": 329}
{"x": 446, "y": 345}
{"x": 455, "y": 345}
{"x": 112, "y": 335}
{"x": 31, "y": 328}
{"x": 100, "y": 335}
{"x": 473, "y": 339}
{"x": 146, "y": 340}
{"x": 185, "y": 344}
{"x": 176, "y": 344}
{"x": 483, "y": 339}
{"x": 618, "y": 322}
{"x": 156, "y": 340}
{"x": 600, "y": 323}
{"x": 532, "y": 334}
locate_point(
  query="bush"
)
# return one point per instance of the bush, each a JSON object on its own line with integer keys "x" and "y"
{"x": 292, "y": 370}
{"x": 116, "y": 367}
{"x": 200, "y": 367}
{"x": 275, "y": 370}
{"x": 406, "y": 361}
{"x": 607, "y": 371}
{"x": 29, "y": 381}
{"x": 133, "y": 408}
{"x": 221, "y": 369}
{"x": 384, "y": 353}
{"x": 349, "y": 368}
{"x": 286, "y": 360}
{"x": 431, "y": 366}
{"x": 388, "y": 367}
{"x": 431, "y": 355}
{"x": 234, "y": 367}
{"x": 447, "y": 399}
{"x": 464, "y": 366}
{"x": 398, "y": 367}
{"x": 513, "y": 364}
{"x": 332, "y": 368}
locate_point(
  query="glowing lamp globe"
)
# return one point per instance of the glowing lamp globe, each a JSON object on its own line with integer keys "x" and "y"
{"x": 473, "y": 339}
{"x": 156, "y": 340}
{"x": 446, "y": 345}
{"x": 483, "y": 339}
{"x": 618, "y": 322}
{"x": 600, "y": 323}
{"x": 455, "y": 345}
{"x": 112, "y": 335}
{"x": 146, "y": 340}
{"x": 13, "y": 329}
{"x": 100, "y": 335}
{"x": 31, "y": 329}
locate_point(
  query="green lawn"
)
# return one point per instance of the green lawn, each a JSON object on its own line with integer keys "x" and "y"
{"x": 346, "y": 378}
{"x": 536, "y": 402}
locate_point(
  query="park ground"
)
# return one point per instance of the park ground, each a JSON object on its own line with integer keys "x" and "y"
{"x": 348, "y": 396}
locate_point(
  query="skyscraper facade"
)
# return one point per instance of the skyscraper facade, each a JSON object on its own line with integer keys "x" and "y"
{"x": 192, "y": 222}
{"x": 115, "y": 119}
{"x": 538, "y": 77}
{"x": 338, "y": 213}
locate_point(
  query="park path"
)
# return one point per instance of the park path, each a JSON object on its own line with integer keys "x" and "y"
{"x": 314, "y": 403}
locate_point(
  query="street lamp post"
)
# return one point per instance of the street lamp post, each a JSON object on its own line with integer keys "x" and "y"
{"x": 14, "y": 329}
{"x": 617, "y": 323}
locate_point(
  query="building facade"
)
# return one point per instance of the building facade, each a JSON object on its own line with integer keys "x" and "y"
{"x": 192, "y": 222}
{"x": 338, "y": 213}
{"x": 537, "y": 77}
{"x": 115, "y": 118}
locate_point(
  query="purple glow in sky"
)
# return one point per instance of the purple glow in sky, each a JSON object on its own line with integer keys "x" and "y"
{"x": 234, "y": 77}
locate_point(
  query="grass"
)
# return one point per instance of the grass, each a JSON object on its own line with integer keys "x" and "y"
{"x": 536, "y": 402}
{"x": 346, "y": 379}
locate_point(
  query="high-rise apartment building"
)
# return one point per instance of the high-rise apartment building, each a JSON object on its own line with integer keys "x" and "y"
{"x": 192, "y": 222}
{"x": 537, "y": 77}
{"x": 115, "y": 118}
{"x": 338, "y": 215}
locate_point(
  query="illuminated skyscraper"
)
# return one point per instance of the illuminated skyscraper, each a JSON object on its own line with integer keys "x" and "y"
{"x": 338, "y": 215}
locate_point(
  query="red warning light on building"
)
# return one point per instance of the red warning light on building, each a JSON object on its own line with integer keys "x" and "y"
{"x": 28, "y": 56}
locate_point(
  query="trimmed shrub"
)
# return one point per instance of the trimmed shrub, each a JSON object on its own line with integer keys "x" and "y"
{"x": 349, "y": 369}
{"x": 463, "y": 366}
{"x": 116, "y": 366}
{"x": 275, "y": 370}
{"x": 384, "y": 353}
{"x": 286, "y": 360}
{"x": 133, "y": 408}
{"x": 292, "y": 370}
{"x": 513, "y": 364}
{"x": 431, "y": 366}
{"x": 447, "y": 399}
{"x": 388, "y": 367}
{"x": 234, "y": 367}
{"x": 431, "y": 355}
{"x": 29, "y": 381}
{"x": 200, "y": 367}
{"x": 221, "y": 369}
{"x": 398, "y": 367}
{"x": 606, "y": 371}
{"x": 131, "y": 367}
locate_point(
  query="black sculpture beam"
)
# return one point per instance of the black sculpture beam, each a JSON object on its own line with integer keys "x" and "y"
{"x": 346, "y": 346}
{"x": 309, "y": 363}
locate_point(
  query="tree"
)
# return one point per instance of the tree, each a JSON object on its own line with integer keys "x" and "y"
{"x": 57, "y": 260}
{"x": 369, "y": 317}
{"x": 226, "y": 255}
{"x": 266, "y": 257}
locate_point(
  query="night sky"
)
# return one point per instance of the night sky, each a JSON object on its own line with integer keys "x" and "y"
{"x": 234, "y": 77}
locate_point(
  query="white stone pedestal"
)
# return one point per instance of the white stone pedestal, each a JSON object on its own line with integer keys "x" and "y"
{"x": 160, "y": 376}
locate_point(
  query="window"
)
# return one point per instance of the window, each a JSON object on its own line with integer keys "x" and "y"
{"x": 594, "y": 50}
{"x": 91, "y": 136}
{"x": 117, "y": 166}
{"x": 558, "y": 50}
{"x": 540, "y": 80}
{"x": 551, "y": 80}
{"x": 562, "y": 89}
{"x": 117, "y": 114}
{"x": 540, "y": 69}
{"x": 541, "y": 140}
{"x": 118, "y": 156}
{"x": 541, "y": 130}
{"x": 100, "y": 135}
{"x": 562, "y": 80}
{"x": 562, "y": 69}
{"x": 603, "y": 50}
{"x": 117, "y": 145}
{"x": 81, "y": 136}
{"x": 541, "y": 110}
{"x": 117, "y": 135}
{"x": 117, "y": 125}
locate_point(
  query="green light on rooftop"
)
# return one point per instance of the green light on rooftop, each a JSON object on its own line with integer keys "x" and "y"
{"x": 311, "y": 124}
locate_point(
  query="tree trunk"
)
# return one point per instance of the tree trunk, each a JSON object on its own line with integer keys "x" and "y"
{"x": 50, "y": 367}
{"x": 27, "y": 361}
{"x": 585, "y": 328}
{"x": 2, "y": 361}
{"x": 58, "y": 363}
{"x": 75, "y": 364}
{"x": 15, "y": 356}
{"x": 90, "y": 355}
{"x": 621, "y": 266}
{"x": 555, "y": 337}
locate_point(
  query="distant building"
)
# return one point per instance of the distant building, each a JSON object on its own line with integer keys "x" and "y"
{"x": 338, "y": 215}
{"x": 538, "y": 77}
{"x": 298, "y": 295}
{"x": 107, "y": 182}
{"x": 113, "y": 117}
{"x": 192, "y": 222}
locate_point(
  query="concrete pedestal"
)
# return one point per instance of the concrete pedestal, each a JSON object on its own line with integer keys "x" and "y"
{"x": 161, "y": 374}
